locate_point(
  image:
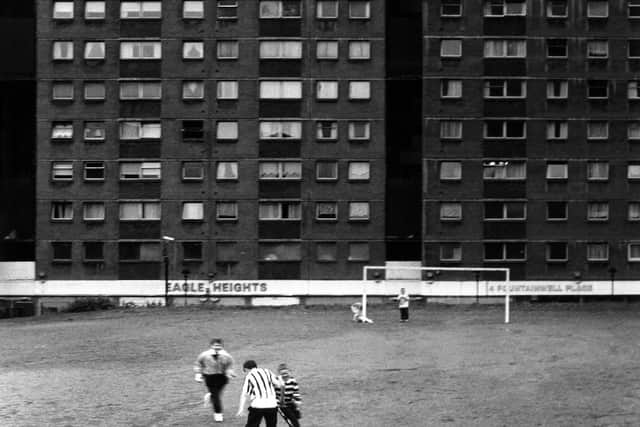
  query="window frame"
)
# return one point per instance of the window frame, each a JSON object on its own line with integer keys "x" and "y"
{"x": 141, "y": 10}
{"x": 62, "y": 165}
{"x": 143, "y": 205}
{"x": 101, "y": 15}
{"x": 63, "y": 17}
{"x": 86, "y": 204}
{"x": 367, "y": 5}
{"x": 229, "y": 203}
{"x": 318, "y": 208}
{"x": 200, "y": 11}
{"x": 92, "y": 165}
{"x": 456, "y": 171}
{"x": 549, "y": 249}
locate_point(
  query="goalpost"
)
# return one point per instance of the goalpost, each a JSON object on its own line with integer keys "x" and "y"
{"x": 367, "y": 268}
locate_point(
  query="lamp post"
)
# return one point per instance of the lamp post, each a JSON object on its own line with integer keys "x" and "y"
{"x": 165, "y": 258}
{"x": 612, "y": 274}
{"x": 185, "y": 273}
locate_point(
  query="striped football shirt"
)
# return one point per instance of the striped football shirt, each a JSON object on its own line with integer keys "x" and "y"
{"x": 259, "y": 385}
{"x": 289, "y": 392}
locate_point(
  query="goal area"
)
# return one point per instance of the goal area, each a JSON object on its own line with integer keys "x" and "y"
{"x": 418, "y": 280}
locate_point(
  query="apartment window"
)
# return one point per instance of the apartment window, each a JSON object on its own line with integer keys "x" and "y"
{"x": 557, "y": 48}
{"x": 505, "y": 49}
{"x": 327, "y": 49}
{"x": 141, "y": 50}
{"x": 280, "y": 49}
{"x": 326, "y": 130}
{"x": 62, "y": 51}
{"x": 193, "y": 10}
{"x": 451, "y": 8}
{"x": 192, "y": 251}
{"x": 192, "y": 130}
{"x": 192, "y": 171}
{"x": 359, "y": 90}
{"x": 227, "y": 9}
{"x": 227, "y": 171}
{"x": 633, "y": 171}
{"x": 94, "y": 10}
{"x": 280, "y": 130}
{"x": 450, "y": 252}
{"x": 140, "y": 171}
{"x": 451, "y": 88}
{"x": 557, "y": 130}
{"x": 597, "y": 252}
{"x": 94, "y": 50}
{"x": 634, "y": 8}
{"x": 358, "y": 251}
{"x": 597, "y": 130}
{"x": 193, "y": 90}
{"x": 597, "y": 211}
{"x": 94, "y": 91}
{"x": 634, "y": 48}
{"x": 505, "y": 251}
{"x": 94, "y": 171}
{"x": 451, "y": 129}
{"x": 597, "y": 171}
{"x": 633, "y": 211}
{"x": 450, "y": 211}
{"x": 504, "y": 129}
{"x": 326, "y": 9}
{"x": 192, "y": 50}
{"x": 192, "y": 211}
{"x": 139, "y": 251}
{"x": 505, "y": 211}
{"x": 63, "y": 10}
{"x": 62, "y": 131}
{"x": 279, "y": 251}
{"x": 359, "y": 50}
{"x": 633, "y": 252}
{"x": 557, "y": 89}
{"x": 359, "y": 9}
{"x": 226, "y": 131}
{"x": 139, "y": 211}
{"x": 280, "y": 90}
{"x": 136, "y": 90}
{"x": 62, "y": 91}
{"x": 326, "y": 90}
{"x": 598, "y": 49}
{"x": 498, "y": 88}
{"x": 450, "y": 48}
{"x": 226, "y": 211}
{"x": 359, "y": 130}
{"x": 557, "y": 171}
{"x": 93, "y": 211}
{"x": 557, "y": 9}
{"x": 557, "y": 211}
{"x": 499, "y": 8}
{"x": 227, "y": 90}
{"x": 62, "y": 171}
{"x": 93, "y": 251}
{"x": 227, "y": 49}
{"x": 359, "y": 211}
{"x": 62, "y": 211}
{"x": 326, "y": 170}
{"x": 61, "y": 251}
{"x": 597, "y": 9}
{"x": 557, "y": 251}
{"x": 282, "y": 170}
{"x": 504, "y": 170}
{"x": 140, "y": 130}
{"x": 279, "y": 211}
{"x": 326, "y": 251}
{"x": 141, "y": 10}
{"x": 450, "y": 171}
{"x": 280, "y": 9}
{"x": 94, "y": 131}
{"x": 597, "y": 89}
{"x": 359, "y": 171}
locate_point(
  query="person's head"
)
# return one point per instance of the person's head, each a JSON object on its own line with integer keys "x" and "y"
{"x": 249, "y": 365}
{"x": 403, "y": 291}
{"x": 216, "y": 344}
{"x": 283, "y": 370}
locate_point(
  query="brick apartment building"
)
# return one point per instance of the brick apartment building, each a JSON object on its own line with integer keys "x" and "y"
{"x": 304, "y": 139}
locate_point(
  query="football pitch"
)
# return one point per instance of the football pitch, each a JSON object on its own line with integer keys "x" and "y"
{"x": 554, "y": 365}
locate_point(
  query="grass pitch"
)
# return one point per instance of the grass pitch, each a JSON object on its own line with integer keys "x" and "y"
{"x": 554, "y": 365}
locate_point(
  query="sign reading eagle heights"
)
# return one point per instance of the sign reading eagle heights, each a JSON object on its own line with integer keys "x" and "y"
{"x": 203, "y": 287}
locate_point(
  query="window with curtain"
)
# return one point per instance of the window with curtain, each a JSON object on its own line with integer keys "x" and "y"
{"x": 193, "y": 9}
{"x": 226, "y": 211}
{"x": 94, "y": 50}
{"x": 279, "y": 211}
{"x": 450, "y": 47}
{"x": 327, "y": 130}
{"x": 227, "y": 49}
{"x": 192, "y": 171}
{"x": 62, "y": 130}
{"x": 633, "y": 130}
{"x": 192, "y": 211}
{"x": 140, "y": 130}
{"x": 633, "y": 252}
{"x": 140, "y": 90}
{"x": 597, "y": 130}
{"x": 93, "y": 211}
{"x": 141, "y": 50}
{"x": 62, "y": 91}
{"x": 63, "y": 10}
{"x": 141, "y": 10}
{"x": 62, "y": 210}
{"x": 280, "y": 170}
{"x": 450, "y": 129}
{"x": 450, "y": 211}
{"x": 358, "y": 211}
{"x": 359, "y": 171}
{"x": 140, "y": 170}
{"x": 500, "y": 8}
{"x": 632, "y": 89}
{"x": 280, "y": 49}
{"x": 597, "y": 211}
{"x": 327, "y": 49}
{"x": 633, "y": 211}
{"x": 326, "y": 251}
{"x": 557, "y": 89}
{"x": 227, "y": 90}
{"x": 280, "y": 9}
{"x": 63, "y": 51}
{"x": 193, "y": 90}
{"x": 94, "y": 91}
{"x": 62, "y": 171}
{"x": 326, "y": 170}
{"x": 94, "y": 10}
{"x": 557, "y": 9}
{"x": 280, "y": 130}
{"x": 557, "y": 171}
{"x": 227, "y": 130}
{"x": 359, "y": 90}
{"x": 504, "y": 170}
{"x": 358, "y": 251}
{"x": 597, "y": 9}
{"x": 450, "y": 252}
{"x": 359, "y": 9}
{"x": 280, "y": 89}
{"x": 597, "y": 171}
{"x": 326, "y": 211}
{"x": 359, "y": 130}
{"x": 451, "y": 88}
{"x": 279, "y": 251}
{"x": 597, "y": 49}
{"x": 135, "y": 211}
{"x": 227, "y": 171}
{"x": 193, "y": 50}
{"x": 94, "y": 131}
{"x": 500, "y": 88}
{"x": 505, "y": 49}
{"x": 597, "y": 251}
{"x": 327, "y": 90}
{"x": 326, "y": 9}
{"x": 633, "y": 171}
{"x": 450, "y": 170}
{"x": 557, "y": 129}
{"x": 359, "y": 49}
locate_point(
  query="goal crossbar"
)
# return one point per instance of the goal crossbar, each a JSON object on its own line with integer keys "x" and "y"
{"x": 368, "y": 268}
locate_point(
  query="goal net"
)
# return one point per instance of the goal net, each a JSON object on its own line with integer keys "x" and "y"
{"x": 435, "y": 282}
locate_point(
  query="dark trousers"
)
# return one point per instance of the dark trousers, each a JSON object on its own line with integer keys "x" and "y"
{"x": 292, "y": 414}
{"x": 215, "y": 383}
{"x": 256, "y": 415}
{"x": 404, "y": 313}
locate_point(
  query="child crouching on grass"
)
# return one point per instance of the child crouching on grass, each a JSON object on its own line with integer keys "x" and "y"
{"x": 358, "y": 316}
{"x": 289, "y": 397}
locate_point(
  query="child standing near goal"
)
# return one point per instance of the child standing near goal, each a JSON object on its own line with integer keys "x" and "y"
{"x": 403, "y": 304}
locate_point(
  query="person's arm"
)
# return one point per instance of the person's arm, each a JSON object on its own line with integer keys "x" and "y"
{"x": 242, "y": 404}
{"x": 197, "y": 367}
{"x": 229, "y": 371}
{"x": 295, "y": 393}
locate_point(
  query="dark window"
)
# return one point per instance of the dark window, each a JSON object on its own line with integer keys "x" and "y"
{"x": 557, "y": 48}
{"x": 61, "y": 251}
{"x": 634, "y": 48}
{"x": 556, "y": 211}
{"x": 93, "y": 251}
{"x": 557, "y": 251}
{"x": 598, "y": 89}
{"x": 326, "y": 251}
{"x": 139, "y": 251}
{"x": 192, "y": 130}
{"x": 451, "y": 8}
{"x": 192, "y": 251}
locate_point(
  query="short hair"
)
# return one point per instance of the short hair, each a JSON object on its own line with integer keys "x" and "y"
{"x": 250, "y": 364}
{"x": 216, "y": 341}
{"x": 282, "y": 367}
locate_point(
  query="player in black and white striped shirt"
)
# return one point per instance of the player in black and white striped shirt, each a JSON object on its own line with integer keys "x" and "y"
{"x": 259, "y": 387}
